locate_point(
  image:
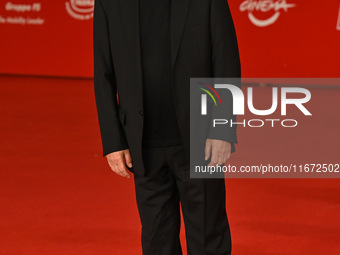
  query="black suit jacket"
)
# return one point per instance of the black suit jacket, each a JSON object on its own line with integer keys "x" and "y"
{"x": 203, "y": 44}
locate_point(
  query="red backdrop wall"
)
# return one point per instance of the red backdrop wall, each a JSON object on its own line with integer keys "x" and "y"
{"x": 277, "y": 38}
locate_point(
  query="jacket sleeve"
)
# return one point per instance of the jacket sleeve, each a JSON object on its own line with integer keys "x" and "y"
{"x": 225, "y": 62}
{"x": 112, "y": 134}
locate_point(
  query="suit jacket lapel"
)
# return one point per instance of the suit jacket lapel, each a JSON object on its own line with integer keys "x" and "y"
{"x": 179, "y": 11}
{"x": 130, "y": 17}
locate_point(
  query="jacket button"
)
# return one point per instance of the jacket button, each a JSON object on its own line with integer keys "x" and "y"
{"x": 141, "y": 113}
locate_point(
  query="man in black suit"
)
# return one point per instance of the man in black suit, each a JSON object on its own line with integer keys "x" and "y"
{"x": 146, "y": 51}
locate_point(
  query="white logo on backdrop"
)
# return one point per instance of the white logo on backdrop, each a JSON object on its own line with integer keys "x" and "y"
{"x": 253, "y": 6}
{"x": 80, "y": 9}
{"x": 338, "y": 24}
{"x": 22, "y": 10}
{"x": 9, "y": 6}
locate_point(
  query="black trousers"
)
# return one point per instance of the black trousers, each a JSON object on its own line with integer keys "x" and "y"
{"x": 165, "y": 187}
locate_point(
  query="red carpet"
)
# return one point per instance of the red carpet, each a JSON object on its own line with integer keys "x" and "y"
{"x": 58, "y": 196}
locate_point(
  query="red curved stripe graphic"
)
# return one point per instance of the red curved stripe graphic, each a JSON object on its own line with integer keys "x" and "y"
{"x": 215, "y": 92}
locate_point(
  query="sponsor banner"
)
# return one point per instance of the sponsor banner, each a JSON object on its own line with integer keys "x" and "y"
{"x": 43, "y": 37}
{"x": 22, "y": 14}
{"x": 80, "y": 9}
{"x": 277, "y": 38}
{"x": 288, "y": 38}
{"x": 272, "y": 9}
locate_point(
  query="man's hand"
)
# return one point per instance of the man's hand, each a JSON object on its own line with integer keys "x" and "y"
{"x": 219, "y": 151}
{"x": 118, "y": 161}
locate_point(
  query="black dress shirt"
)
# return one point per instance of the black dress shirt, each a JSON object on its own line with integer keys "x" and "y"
{"x": 160, "y": 122}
